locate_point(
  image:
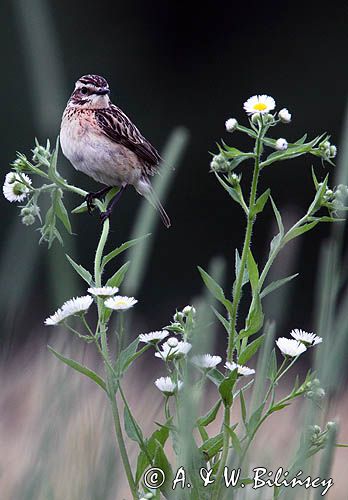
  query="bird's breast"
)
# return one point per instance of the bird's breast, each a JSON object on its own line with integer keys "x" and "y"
{"x": 93, "y": 153}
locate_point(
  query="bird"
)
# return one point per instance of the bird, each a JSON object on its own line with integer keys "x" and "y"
{"x": 99, "y": 139}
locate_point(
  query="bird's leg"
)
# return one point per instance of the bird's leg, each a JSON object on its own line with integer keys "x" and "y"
{"x": 98, "y": 195}
{"x": 107, "y": 213}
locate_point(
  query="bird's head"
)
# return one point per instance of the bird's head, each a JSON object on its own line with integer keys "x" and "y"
{"x": 91, "y": 92}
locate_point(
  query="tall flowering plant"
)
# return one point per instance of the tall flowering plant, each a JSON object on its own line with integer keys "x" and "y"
{"x": 181, "y": 459}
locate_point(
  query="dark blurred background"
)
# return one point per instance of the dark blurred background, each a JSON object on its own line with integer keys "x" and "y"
{"x": 168, "y": 64}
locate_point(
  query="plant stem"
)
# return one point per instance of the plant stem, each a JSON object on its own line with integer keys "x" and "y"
{"x": 247, "y": 240}
{"x": 109, "y": 372}
{"x": 236, "y": 301}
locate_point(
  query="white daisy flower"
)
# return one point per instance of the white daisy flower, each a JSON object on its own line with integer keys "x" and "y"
{"x": 77, "y": 305}
{"x": 308, "y": 339}
{"x": 241, "y": 369}
{"x": 167, "y": 386}
{"x": 259, "y": 104}
{"x": 153, "y": 337}
{"x": 120, "y": 303}
{"x": 281, "y": 144}
{"x": 290, "y": 347}
{"x": 284, "y": 116}
{"x": 206, "y": 360}
{"x": 168, "y": 353}
{"x": 103, "y": 291}
{"x": 231, "y": 124}
{"x": 15, "y": 186}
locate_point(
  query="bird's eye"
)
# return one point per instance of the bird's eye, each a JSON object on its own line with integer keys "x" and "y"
{"x": 84, "y": 90}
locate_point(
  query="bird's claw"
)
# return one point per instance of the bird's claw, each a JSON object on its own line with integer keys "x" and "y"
{"x": 89, "y": 200}
{"x": 105, "y": 215}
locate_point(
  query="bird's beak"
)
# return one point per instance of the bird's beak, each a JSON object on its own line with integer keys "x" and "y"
{"x": 103, "y": 91}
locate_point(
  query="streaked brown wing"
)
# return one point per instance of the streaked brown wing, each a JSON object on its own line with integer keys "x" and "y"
{"x": 119, "y": 128}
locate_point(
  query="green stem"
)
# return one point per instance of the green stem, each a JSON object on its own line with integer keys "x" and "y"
{"x": 247, "y": 240}
{"x": 109, "y": 372}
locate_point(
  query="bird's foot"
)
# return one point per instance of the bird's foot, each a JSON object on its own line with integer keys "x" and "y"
{"x": 89, "y": 198}
{"x": 105, "y": 215}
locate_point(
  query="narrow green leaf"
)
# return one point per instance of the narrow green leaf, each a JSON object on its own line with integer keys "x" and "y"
{"x": 243, "y": 406}
{"x": 235, "y": 441}
{"x": 215, "y": 376}
{"x": 132, "y": 429}
{"x": 122, "y": 248}
{"x": 318, "y": 197}
{"x": 278, "y": 407}
{"x": 315, "y": 180}
{"x": 255, "y": 419}
{"x": 82, "y": 208}
{"x": 223, "y": 320}
{"x": 297, "y": 231}
{"x": 231, "y": 191}
{"x": 226, "y": 387}
{"x": 62, "y": 214}
{"x": 253, "y": 271}
{"x": 211, "y": 447}
{"x": 250, "y": 350}
{"x": 272, "y": 366}
{"x": 278, "y": 217}
{"x": 159, "y": 435}
{"x": 276, "y": 284}
{"x": 209, "y": 417}
{"x": 119, "y": 275}
{"x": 260, "y": 203}
{"x": 86, "y": 275}
{"x": 126, "y": 356}
{"x": 215, "y": 289}
{"x": 80, "y": 368}
{"x": 237, "y": 269}
{"x": 161, "y": 461}
{"x": 254, "y": 320}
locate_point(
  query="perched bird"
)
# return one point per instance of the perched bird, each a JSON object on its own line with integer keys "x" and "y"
{"x": 102, "y": 142}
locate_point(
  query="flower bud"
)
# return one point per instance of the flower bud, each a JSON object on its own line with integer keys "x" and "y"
{"x": 28, "y": 220}
{"x": 189, "y": 309}
{"x": 331, "y": 426}
{"x": 281, "y": 144}
{"x": 333, "y": 151}
{"x": 178, "y": 316}
{"x": 284, "y": 116}
{"x": 255, "y": 119}
{"x": 231, "y": 124}
{"x": 172, "y": 342}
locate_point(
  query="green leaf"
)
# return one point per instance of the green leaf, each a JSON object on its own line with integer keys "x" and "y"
{"x": 237, "y": 268}
{"x": 254, "y": 320}
{"x": 293, "y": 151}
{"x": 318, "y": 197}
{"x": 272, "y": 366}
{"x": 61, "y": 211}
{"x": 80, "y": 208}
{"x": 255, "y": 419}
{"x": 302, "y": 140}
{"x": 132, "y": 429}
{"x": 80, "y": 368}
{"x": 278, "y": 217}
{"x": 242, "y": 406}
{"x": 250, "y": 350}
{"x": 119, "y": 275}
{"x": 297, "y": 231}
{"x": 260, "y": 203}
{"x": 276, "y": 284}
{"x": 278, "y": 407}
{"x": 235, "y": 441}
{"x": 209, "y": 417}
{"x": 126, "y": 357}
{"x": 226, "y": 387}
{"x": 215, "y": 376}
{"x": 212, "y": 446}
{"x": 315, "y": 180}
{"x": 52, "y": 170}
{"x": 161, "y": 461}
{"x": 215, "y": 289}
{"x": 253, "y": 271}
{"x": 122, "y": 248}
{"x": 86, "y": 275}
{"x": 159, "y": 436}
{"x": 231, "y": 191}
{"x": 223, "y": 320}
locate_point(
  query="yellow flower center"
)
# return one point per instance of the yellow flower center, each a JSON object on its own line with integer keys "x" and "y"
{"x": 260, "y": 106}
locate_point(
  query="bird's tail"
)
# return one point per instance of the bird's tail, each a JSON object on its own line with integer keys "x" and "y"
{"x": 145, "y": 189}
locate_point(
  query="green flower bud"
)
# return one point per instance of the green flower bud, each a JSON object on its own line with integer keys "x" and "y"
{"x": 28, "y": 220}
